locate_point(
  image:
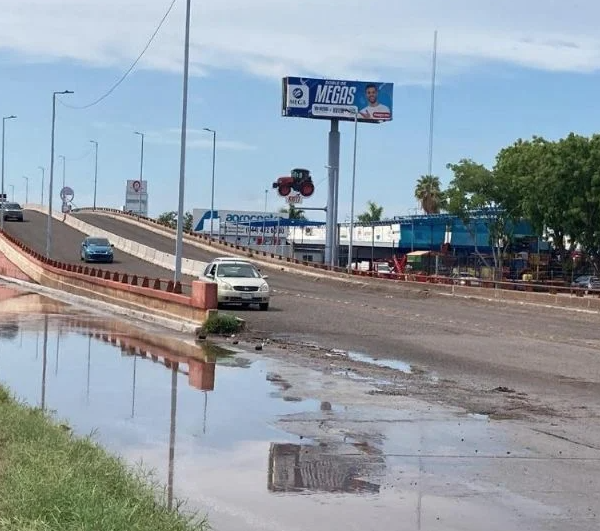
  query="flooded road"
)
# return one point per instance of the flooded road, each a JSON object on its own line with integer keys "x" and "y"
{"x": 258, "y": 444}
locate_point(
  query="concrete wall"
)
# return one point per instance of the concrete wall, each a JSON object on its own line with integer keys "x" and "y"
{"x": 113, "y": 288}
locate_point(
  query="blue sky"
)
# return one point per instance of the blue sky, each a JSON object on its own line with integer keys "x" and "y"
{"x": 500, "y": 77}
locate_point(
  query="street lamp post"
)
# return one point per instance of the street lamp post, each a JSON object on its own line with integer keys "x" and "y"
{"x": 186, "y": 62}
{"x": 141, "y": 171}
{"x": 49, "y": 226}
{"x": 11, "y": 117}
{"x": 26, "y": 189}
{"x": 212, "y": 186}
{"x": 351, "y": 236}
{"x": 43, "y": 172}
{"x": 95, "y": 171}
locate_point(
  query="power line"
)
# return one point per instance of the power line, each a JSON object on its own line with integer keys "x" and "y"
{"x": 129, "y": 70}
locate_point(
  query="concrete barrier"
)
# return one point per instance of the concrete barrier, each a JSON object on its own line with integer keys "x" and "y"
{"x": 110, "y": 287}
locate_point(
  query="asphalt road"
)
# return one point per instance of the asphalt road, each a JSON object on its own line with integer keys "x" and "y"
{"x": 551, "y": 355}
{"x": 66, "y": 243}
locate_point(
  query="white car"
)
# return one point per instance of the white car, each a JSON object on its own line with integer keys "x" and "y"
{"x": 238, "y": 282}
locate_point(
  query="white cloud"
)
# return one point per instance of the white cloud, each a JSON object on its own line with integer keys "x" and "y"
{"x": 341, "y": 38}
{"x": 196, "y": 139}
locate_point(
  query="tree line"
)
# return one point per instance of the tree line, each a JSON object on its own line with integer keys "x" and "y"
{"x": 555, "y": 185}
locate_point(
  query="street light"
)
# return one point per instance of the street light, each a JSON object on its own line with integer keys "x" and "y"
{"x": 95, "y": 171}
{"x": 50, "y": 188}
{"x": 212, "y": 187}
{"x": 186, "y": 63}
{"x": 43, "y": 172}
{"x": 351, "y": 237}
{"x": 141, "y": 171}
{"x": 11, "y": 117}
{"x": 26, "y": 189}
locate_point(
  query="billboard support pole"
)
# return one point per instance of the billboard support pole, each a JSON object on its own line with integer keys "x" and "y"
{"x": 333, "y": 164}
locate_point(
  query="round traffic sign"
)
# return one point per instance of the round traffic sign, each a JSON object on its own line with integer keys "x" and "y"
{"x": 67, "y": 194}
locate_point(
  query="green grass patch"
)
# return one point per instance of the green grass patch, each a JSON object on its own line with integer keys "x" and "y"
{"x": 221, "y": 324}
{"x": 51, "y": 480}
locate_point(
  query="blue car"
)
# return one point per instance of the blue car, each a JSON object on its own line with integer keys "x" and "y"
{"x": 96, "y": 250}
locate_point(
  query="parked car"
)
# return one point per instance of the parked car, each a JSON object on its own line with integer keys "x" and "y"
{"x": 239, "y": 281}
{"x": 94, "y": 249}
{"x": 13, "y": 211}
{"x": 465, "y": 279}
{"x": 586, "y": 282}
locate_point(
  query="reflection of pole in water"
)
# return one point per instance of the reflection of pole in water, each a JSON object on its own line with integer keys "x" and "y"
{"x": 133, "y": 385}
{"x": 44, "y": 362}
{"x": 205, "y": 404}
{"x": 89, "y": 360}
{"x": 172, "y": 435}
{"x": 57, "y": 349}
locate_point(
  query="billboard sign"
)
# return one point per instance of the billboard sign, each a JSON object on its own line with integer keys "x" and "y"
{"x": 136, "y": 197}
{"x": 231, "y": 221}
{"x": 328, "y": 99}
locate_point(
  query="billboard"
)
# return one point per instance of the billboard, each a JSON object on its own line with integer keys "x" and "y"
{"x": 136, "y": 197}
{"x": 232, "y": 221}
{"x": 328, "y": 99}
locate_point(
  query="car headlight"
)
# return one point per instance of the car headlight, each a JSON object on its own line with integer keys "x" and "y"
{"x": 226, "y": 285}
{"x": 264, "y": 287}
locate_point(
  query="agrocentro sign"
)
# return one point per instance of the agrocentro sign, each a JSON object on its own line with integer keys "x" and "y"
{"x": 227, "y": 220}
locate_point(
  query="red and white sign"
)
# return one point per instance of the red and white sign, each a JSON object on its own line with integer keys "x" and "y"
{"x": 294, "y": 199}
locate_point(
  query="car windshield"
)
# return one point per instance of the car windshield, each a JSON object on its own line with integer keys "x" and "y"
{"x": 12, "y": 206}
{"x": 237, "y": 271}
{"x": 98, "y": 241}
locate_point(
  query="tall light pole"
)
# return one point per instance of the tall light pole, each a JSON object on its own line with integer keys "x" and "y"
{"x": 212, "y": 186}
{"x": 186, "y": 62}
{"x": 43, "y": 172}
{"x": 11, "y": 117}
{"x": 141, "y": 135}
{"x": 351, "y": 228}
{"x": 95, "y": 171}
{"x": 49, "y": 226}
{"x": 64, "y": 167}
{"x": 26, "y": 189}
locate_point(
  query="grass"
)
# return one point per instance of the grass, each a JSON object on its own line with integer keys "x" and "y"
{"x": 51, "y": 480}
{"x": 221, "y": 324}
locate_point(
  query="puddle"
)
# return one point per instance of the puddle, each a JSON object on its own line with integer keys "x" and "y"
{"x": 389, "y": 363}
{"x": 228, "y": 434}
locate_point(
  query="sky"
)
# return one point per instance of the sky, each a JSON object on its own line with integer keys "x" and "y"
{"x": 506, "y": 70}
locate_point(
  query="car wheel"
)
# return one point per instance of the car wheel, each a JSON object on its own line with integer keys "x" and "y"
{"x": 264, "y": 306}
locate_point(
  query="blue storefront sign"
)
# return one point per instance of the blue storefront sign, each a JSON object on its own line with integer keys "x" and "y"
{"x": 328, "y": 99}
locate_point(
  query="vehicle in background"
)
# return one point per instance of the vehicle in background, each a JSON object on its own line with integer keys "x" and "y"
{"x": 239, "y": 281}
{"x": 94, "y": 249}
{"x": 586, "y": 282}
{"x": 465, "y": 279}
{"x": 13, "y": 211}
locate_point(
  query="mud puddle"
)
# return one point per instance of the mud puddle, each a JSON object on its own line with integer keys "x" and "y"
{"x": 258, "y": 444}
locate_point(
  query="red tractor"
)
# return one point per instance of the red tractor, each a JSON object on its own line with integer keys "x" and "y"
{"x": 299, "y": 180}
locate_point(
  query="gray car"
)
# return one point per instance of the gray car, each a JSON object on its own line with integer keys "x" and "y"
{"x": 13, "y": 211}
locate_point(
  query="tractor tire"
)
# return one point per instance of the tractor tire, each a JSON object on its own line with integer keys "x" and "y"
{"x": 307, "y": 188}
{"x": 285, "y": 190}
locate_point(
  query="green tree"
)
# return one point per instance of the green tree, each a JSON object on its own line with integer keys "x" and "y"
{"x": 479, "y": 195}
{"x": 293, "y": 212}
{"x": 429, "y": 193}
{"x": 169, "y": 219}
{"x": 373, "y": 213}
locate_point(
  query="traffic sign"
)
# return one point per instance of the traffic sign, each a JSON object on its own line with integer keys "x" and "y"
{"x": 294, "y": 199}
{"x": 67, "y": 194}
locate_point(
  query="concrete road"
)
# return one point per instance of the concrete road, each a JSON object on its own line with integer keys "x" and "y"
{"x": 549, "y": 356}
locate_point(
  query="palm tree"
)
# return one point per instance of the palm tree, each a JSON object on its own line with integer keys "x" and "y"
{"x": 429, "y": 193}
{"x": 373, "y": 213}
{"x": 293, "y": 212}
